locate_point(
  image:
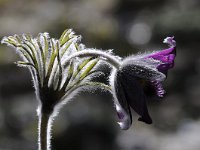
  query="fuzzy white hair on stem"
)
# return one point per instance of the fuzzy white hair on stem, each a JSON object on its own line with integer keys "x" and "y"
{"x": 60, "y": 69}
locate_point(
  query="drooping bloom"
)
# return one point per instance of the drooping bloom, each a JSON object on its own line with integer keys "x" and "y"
{"x": 134, "y": 74}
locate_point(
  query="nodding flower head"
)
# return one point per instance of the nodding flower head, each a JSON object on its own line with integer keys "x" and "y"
{"x": 135, "y": 74}
{"x": 55, "y": 79}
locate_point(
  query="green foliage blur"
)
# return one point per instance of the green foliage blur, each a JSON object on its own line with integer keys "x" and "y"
{"x": 89, "y": 121}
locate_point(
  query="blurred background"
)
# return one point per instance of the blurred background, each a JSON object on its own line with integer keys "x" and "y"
{"x": 89, "y": 121}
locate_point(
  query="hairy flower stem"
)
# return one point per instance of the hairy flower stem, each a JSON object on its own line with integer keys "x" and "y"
{"x": 95, "y": 53}
{"x": 45, "y": 115}
{"x": 44, "y": 131}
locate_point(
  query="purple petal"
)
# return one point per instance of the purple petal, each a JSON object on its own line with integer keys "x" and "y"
{"x": 122, "y": 107}
{"x": 125, "y": 120}
{"x": 142, "y": 69}
{"x": 170, "y": 41}
{"x": 158, "y": 88}
{"x": 166, "y": 56}
{"x": 134, "y": 93}
{"x": 152, "y": 88}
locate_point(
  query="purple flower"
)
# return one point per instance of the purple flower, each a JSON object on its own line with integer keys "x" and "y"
{"x": 135, "y": 76}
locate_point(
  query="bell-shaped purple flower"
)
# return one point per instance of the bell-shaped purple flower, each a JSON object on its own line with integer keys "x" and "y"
{"x": 129, "y": 82}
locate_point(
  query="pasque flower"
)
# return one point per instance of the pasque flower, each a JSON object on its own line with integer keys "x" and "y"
{"x": 136, "y": 73}
{"x": 62, "y": 67}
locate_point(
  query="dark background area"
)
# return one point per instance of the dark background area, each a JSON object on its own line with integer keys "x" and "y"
{"x": 89, "y": 121}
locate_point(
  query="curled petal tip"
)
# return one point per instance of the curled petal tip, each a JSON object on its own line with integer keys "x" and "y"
{"x": 124, "y": 119}
{"x": 123, "y": 125}
{"x": 120, "y": 115}
{"x": 146, "y": 120}
{"x": 170, "y": 41}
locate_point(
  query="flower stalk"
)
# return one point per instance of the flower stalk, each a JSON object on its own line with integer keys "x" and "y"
{"x": 112, "y": 60}
{"x": 44, "y": 126}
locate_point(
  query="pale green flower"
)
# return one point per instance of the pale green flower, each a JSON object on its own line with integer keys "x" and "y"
{"x": 56, "y": 72}
{"x": 54, "y": 80}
